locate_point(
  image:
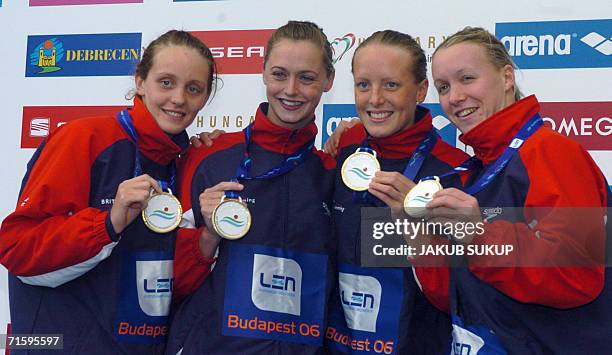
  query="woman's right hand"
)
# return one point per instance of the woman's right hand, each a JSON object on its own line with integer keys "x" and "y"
{"x": 211, "y": 197}
{"x": 331, "y": 146}
{"x": 205, "y": 138}
{"x": 130, "y": 199}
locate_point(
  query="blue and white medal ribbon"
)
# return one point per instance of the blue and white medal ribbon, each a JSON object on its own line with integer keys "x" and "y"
{"x": 422, "y": 193}
{"x": 164, "y": 211}
{"x": 529, "y": 128}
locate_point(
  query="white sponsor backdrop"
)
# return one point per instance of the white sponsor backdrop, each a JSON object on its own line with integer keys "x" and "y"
{"x": 430, "y": 21}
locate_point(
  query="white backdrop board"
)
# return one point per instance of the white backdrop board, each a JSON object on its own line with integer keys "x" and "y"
{"x": 562, "y": 46}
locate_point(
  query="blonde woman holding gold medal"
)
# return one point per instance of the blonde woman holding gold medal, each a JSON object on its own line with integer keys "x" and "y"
{"x": 382, "y": 309}
{"x": 265, "y": 194}
{"x": 91, "y": 239}
{"x": 552, "y": 293}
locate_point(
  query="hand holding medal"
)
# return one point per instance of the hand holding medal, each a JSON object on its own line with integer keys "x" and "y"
{"x": 228, "y": 217}
{"x": 420, "y": 195}
{"x": 163, "y": 212}
{"x": 391, "y": 188}
{"x": 131, "y": 199}
{"x": 231, "y": 218}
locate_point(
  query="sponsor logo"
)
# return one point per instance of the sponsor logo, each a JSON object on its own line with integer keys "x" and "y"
{"x": 226, "y": 121}
{"x": 588, "y": 123}
{"x": 326, "y": 210}
{"x": 39, "y": 127}
{"x": 277, "y": 284}
{"x": 333, "y": 114}
{"x": 516, "y": 143}
{"x": 80, "y": 2}
{"x": 154, "y": 286}
{"x": 341, "y": 45}
{"x": 237, "y": 52}
{"x": 465, "y": 342}
{"x": 83, "y": 55}
{"x": 445, "y": 128}
{"x": 491, "y": 213}
{"x": 338, "y": 207}
{"x": 558, "y": 44}
{"x": 39, "y": 121}
{"x": 360, "y": 296}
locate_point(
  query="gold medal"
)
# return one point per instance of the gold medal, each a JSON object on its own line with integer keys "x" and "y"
{"x": 420, "y": 195}
{"x": 231, "y": 218}
{"x": 359, "y": 169}
{"x": 163, "y": 213}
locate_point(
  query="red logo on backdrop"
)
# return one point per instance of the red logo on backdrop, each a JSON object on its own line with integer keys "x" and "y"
{"x": 589, "y": 123}
{"x": 237, "y": 52}
{"x": 39, "y": 121}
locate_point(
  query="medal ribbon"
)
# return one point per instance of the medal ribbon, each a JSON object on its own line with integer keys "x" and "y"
{"x": 412, "y": 168}
{"x": 127, "y": 124}
{"x": 532, "y": 125}
{"x": 289, "y": 163}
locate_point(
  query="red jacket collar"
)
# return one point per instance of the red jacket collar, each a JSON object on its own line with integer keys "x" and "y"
{"x": 402, "y": 144}
{"x": 491, "y": 136}
{"x": 280, "y": 139}
{"x": 153, "y": 142}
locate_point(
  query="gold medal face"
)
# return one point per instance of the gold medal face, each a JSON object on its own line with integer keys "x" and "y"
{"x": 416, "y": 200}
{"x": 358, "y": 170}
{"x": 163, "y": 213}
{"x": 231, "y": 219}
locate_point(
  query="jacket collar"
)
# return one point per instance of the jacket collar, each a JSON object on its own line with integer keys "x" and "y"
{"x": 402, "y": 144}
{"x": 153, "y": 142}
{"x": 491, "y": 136}
{"x": 280, "y": 139}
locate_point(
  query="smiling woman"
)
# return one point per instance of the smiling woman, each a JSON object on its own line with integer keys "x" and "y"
{"x": 174, "y": 96}
{"x": 294, "y": 77}
{"x": 552, "y": 292}
{"x": 82, "y": 263}
{"x": 397, "y": 134}
{"x": 275, "y": 263}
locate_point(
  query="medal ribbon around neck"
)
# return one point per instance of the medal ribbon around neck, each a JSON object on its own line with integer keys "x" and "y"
{"x": 231, "y": 218}
{"x": 289, "y": 163}
{"x": 164, "y": 211}
{"x": 127, "y": 123}
{"x": 529, "y": 128}
{"x": 412, "y": 168}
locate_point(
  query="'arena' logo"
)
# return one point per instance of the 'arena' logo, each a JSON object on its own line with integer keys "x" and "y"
{"x": 333, "y": 114}
{"x": 558, "y": 44}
